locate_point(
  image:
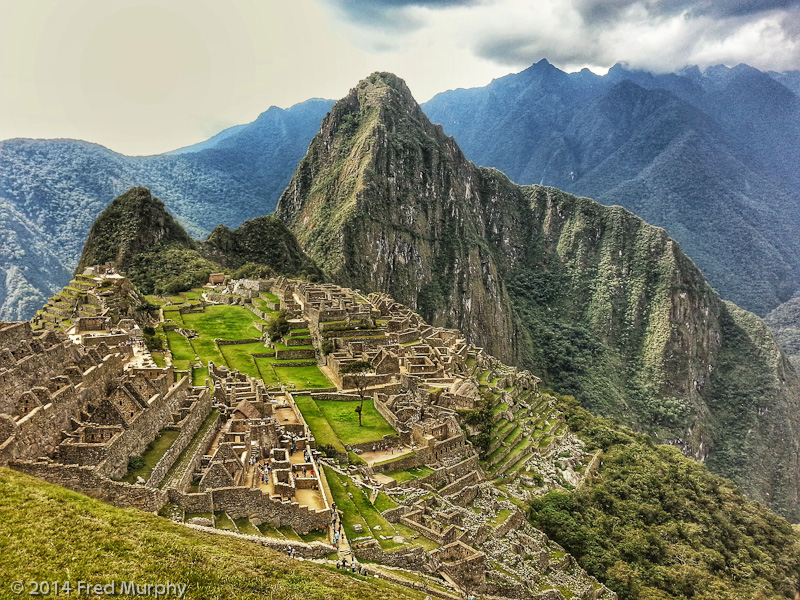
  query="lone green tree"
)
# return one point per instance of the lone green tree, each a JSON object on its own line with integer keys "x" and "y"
{"x": 359, "y": 371}
{"x": 278, "y": 326}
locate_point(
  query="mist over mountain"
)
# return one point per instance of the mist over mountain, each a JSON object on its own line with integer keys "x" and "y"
{"x": 710, "y": 156}
{"x": 52, "y": 190}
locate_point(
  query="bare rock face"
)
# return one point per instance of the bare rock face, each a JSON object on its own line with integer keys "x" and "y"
{"x": 593, "y": 299}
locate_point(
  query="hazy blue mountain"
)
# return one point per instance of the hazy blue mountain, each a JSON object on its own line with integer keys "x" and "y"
{"x": 52, "y": 190}
{"x": 711, "y": 156}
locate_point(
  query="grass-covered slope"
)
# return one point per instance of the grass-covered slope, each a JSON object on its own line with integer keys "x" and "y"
{"x": 49, "y": 533}
{"x": 599, "y": 302}
{"x": 654, "y": 525}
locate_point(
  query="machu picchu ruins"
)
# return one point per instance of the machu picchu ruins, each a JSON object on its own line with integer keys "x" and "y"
{"x": 262, "y": 439}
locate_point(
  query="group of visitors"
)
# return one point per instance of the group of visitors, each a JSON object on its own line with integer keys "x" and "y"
{"x": 265, "y": 470}
{"x": 355, "y": 568}
{"x": 306, "y": 471}
{"x": 336, "y": 525}
{"x": 386, "y": 448}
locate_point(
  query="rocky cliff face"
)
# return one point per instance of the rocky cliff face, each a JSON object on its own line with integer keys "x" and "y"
{"x": 600, "y": 303}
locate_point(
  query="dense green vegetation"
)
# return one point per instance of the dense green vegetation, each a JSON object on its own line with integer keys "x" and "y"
{"x": 654, "y": 524}
{"x": 259, "y": 241}
{"x": 48, "y": 533}
{"x": 138, "y": 234}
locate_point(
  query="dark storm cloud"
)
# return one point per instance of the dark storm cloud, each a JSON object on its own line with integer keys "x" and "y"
{"x": 520, "y": 50}
{"x": 601, "y": 11}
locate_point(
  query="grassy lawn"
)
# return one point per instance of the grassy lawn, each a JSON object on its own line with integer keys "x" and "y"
{"x": 265, "y": 371}
{"x": 322, "y": 430}
{"x": 207, "y": 350}
{"x": 369, "y": 514}
{"x": 408, "y": 474}
{"x": 269, "y": 531}
{"x": 344, "y": 421}
{"x": 383, "y": 502}
{"x": 179, "y": 346}
{"x": 152, "y": 454}
{"x": 199, "y": 376}
{"x": 223, "y": 521}
{"x": 280, "y": 346}
{"x": 289, "y": 533}
{"x": 158, "y": 358}
{"x": 174, "y": 315}
{"x": 270, "y": 296}
{"x": 350, "y": 515}
{"x": 303, "y": 378}
{"x": 51, "y": 534}
{"x": 223, "y": 322}
{"x": 315, "y": 536}
{"x": 245, "y": 526}
{"x": 239, "y": 357}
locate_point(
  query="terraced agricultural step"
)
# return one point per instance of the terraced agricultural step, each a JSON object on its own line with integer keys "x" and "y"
{"x": 503, "y": 453}
{"x": 519, "y": 463}
{"x": 511, "y": 457}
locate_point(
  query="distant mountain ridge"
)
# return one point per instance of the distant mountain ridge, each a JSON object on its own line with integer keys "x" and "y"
{"x": 711, "y": 156}
{"x": 52, "y": 190}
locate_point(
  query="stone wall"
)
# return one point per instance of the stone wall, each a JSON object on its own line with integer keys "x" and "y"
{"x": 87, "y": 481}
{"x": 414, "y": 558}
{"x": 405, "y": 462}
{"x": 245, "y": 502}
{"x": 465, "y": 495}
{"x": 191, "y": 503}
{"x": 386, "y": 413}
{"x": 199, "y": 411}
{"x": 111, "y": 339}
{"x": 235, "y": 342}
{"x": 202, "y": 449}
{"x": 294, "y": 354}
{"x": 312, "y": 550}
{"x": 39, "y": 432}
{"x": 145, "y": 428}
{"x": 513, "y": 521}
{"x": 13, "y": 333}
{"x": 470, "y": 478}
{"x": 257, "y": 311}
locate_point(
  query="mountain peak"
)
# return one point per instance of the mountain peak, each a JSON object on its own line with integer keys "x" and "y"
{"x": 133, "y": 223}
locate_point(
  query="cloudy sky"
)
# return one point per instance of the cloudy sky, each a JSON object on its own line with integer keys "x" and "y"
{"x": 143, "y": 77}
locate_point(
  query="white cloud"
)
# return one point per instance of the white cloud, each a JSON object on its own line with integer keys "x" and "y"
{"x": 145, "y": 77}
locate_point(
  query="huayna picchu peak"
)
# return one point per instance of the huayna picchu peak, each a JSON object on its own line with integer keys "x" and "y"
{"x": 603, "y": 305}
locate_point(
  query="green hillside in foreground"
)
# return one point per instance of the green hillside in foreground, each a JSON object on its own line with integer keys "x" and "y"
{"x": 49, "y": 533}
